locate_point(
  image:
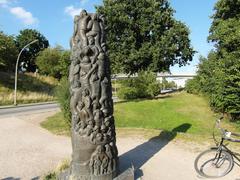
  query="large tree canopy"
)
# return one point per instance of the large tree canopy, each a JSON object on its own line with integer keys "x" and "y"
{"x": 30, "y": 53}
{"x": 8, "y": 52}
{"x": 143, "y": 34}
{"x": 224, "y": 31}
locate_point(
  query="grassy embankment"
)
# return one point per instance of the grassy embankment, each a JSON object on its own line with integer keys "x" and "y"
{"x": 30, "y": 88}
{"x": 180, "y": 113}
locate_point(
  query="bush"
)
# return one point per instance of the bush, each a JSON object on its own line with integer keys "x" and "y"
{"x": 63, "y": 96}
{"x": 192, "y": 86}
{"x": 54, "y": 62}
{"x": 143, "y": 86}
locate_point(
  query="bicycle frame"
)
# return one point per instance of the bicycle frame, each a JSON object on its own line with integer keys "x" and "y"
{"x": 221, "y": 147}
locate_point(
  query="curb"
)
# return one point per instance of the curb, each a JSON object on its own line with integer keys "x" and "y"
{"x": 26, "y": 105}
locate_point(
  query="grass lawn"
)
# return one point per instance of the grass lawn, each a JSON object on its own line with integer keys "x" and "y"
{"x": 178, "y": 113}
{"x": 30, "y": 88}
{"x": 56, "y": 124}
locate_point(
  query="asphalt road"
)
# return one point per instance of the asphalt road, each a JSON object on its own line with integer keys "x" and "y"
{"x": 45, "y": 107}
{"x": 10, "y": 111}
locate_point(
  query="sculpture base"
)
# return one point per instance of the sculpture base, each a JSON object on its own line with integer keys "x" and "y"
{"x": 126, "y": 175}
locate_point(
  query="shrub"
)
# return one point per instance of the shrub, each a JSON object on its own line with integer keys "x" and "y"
{"x": 63, "y": 96}
{"x": 192, "y": 86}
{"x": 54, "y": 62}
{"x": 143, "y": 86}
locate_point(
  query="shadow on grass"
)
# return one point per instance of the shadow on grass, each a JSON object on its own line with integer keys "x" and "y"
{"x": 143, "y": 152}
{"x": 25, "y": 83}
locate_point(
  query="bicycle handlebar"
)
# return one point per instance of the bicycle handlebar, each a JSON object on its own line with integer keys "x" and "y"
{"x": 225, "y": 133}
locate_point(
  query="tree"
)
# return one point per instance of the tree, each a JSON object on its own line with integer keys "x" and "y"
{"x": 8, "y": 52}
{"x": 219, "y": 74}
{"x": 54, "y": 62}
{"x": 145, "y": 35}
{"x": 30, "y": 53}
{"x": 224, "y": 32}
{"x": 145, "y": 85}
{"x": 64, "y": 63}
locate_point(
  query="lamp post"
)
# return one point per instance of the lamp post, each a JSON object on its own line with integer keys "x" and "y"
{"x": 16, "y": 71}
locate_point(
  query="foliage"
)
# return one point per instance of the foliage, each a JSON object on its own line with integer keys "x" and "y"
{"x": 167, "y": 113}
{"x": 50, "y": 176}
{"x": 224, "y": 30}
{"x": 145, "y": 35}
{"x": 54, "y": 62}
{"x": 64, "y": 63}
{"x": 142, "y": 86}
{"x": 29, "y": 54}
{"x": 193, "y": 86}
{"x": 219, "y": 73}
{"x": 31, "y": 88}
{"x": 8, "y": 52}
{"x": 53, "y": 175}
{"x": 63, "y": 96}
{"x": 168, "y": 85}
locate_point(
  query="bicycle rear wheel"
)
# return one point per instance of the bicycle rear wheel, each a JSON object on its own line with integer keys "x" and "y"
{"x": 213, "y": 163}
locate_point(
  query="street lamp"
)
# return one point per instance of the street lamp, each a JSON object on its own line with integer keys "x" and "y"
{"x": 16, "y": 71}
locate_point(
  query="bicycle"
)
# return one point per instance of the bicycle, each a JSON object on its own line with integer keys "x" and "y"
{"x": 218, "y": 161}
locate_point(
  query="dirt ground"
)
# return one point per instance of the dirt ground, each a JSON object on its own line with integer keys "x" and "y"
{"x": 28, "y": 151}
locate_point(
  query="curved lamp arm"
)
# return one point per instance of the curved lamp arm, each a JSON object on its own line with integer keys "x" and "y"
{"x": 16, "y": 68}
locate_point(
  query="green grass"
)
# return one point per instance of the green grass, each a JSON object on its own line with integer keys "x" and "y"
{"x": 187, "y": 113}
{"x": 30, "y": 88}
{"x": 56, "y": 124}
{"x": 179, "y": 113}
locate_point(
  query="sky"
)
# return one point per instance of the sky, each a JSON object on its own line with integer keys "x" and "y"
{"x": 54, "y": 19}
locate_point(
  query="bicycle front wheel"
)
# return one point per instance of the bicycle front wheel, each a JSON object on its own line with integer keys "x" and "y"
{"x": 213, "y": 163}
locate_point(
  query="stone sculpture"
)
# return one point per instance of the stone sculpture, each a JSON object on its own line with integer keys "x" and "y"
{"x": 95, "y": 155}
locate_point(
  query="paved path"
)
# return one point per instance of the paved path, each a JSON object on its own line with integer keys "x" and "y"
{"x": 38, "y": 107}
{"x": 28, "y": 151}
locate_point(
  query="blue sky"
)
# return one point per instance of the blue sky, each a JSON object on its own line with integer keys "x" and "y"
{"x": 54, "y": 19}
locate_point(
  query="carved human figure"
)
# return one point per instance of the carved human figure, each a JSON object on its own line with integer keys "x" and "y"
{"x": 74, "y": 39}
{"x": 88, "y": 130}
{"x": 74, "y": 74}
{"x": 110, "y": 155}
{"x": 104, "y": 165}
{"x": 75, "y": 97}
{"x": 104, "y": 96}
{"x": 84, "y": 116}
{"x": 102, "y": 24}
{"x": 75, "y": 120}
{"x": 94, "y": 49}
{"x": 95, "y": 30}
{"x": 98, "y": 117}
{"x": 101, "y": 66}
{"x": 86, "y": 99}
{"x": 86, "y": 70}
{"x": 95, "y": 161}
{"x": 80, "y": 28}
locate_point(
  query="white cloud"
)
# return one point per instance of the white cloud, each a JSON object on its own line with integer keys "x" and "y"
{"x": 83, "y": 2}
{"x": 24, "y": 15}
{"x": 4, "y": 1}
{"x": 72, "y": 11}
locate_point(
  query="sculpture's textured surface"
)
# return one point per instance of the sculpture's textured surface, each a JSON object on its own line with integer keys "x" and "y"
{"x": 95, "y": 153}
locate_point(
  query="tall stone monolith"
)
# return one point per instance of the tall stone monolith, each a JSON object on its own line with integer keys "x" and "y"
{"x": 95, "y": 155}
